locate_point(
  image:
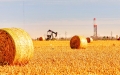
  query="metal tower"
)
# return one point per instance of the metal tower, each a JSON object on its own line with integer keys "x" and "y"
{"x": 95, "y": 28}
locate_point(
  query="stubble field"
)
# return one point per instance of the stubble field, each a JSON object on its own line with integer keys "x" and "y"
{"x": 57, "y": 58}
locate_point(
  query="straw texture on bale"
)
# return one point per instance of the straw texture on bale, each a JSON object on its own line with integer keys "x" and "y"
{"x": 16, "y": 46}
{"x": 78, "y": 42}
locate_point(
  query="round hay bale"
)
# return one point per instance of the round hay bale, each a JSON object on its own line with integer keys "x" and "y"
{"x": 41, "y": 39}
{"x": 16, "y": 46}
{"x": 89, "y": 40}
{"x": 78, "y": 42}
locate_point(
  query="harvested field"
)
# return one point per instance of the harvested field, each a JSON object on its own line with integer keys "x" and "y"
{"x": 57, "y": 58}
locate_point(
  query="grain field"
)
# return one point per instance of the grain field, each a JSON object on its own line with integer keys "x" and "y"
{"x": 57, "y": 58}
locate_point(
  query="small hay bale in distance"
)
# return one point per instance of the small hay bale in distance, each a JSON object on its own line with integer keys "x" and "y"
{"x": 40, "y": 39}
{"x": 78, "y": 42}
{"x": 16, "y": 46}
{"x": 89, "y": 40}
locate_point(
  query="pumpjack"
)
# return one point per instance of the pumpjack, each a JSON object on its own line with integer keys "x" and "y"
{"x": 50, "y": 35}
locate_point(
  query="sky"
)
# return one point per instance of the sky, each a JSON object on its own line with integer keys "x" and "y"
{"x": 74, "y": 17}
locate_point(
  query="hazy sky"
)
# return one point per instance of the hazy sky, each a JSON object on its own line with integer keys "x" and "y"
{"x": 72, "y": 16}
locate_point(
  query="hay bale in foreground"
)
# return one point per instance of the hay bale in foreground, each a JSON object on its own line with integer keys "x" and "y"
{"x": 78, "y": 42}
{"x": 16, "y": 46}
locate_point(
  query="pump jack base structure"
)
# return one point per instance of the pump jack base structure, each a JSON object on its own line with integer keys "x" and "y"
{"x": 50, "y": 35}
